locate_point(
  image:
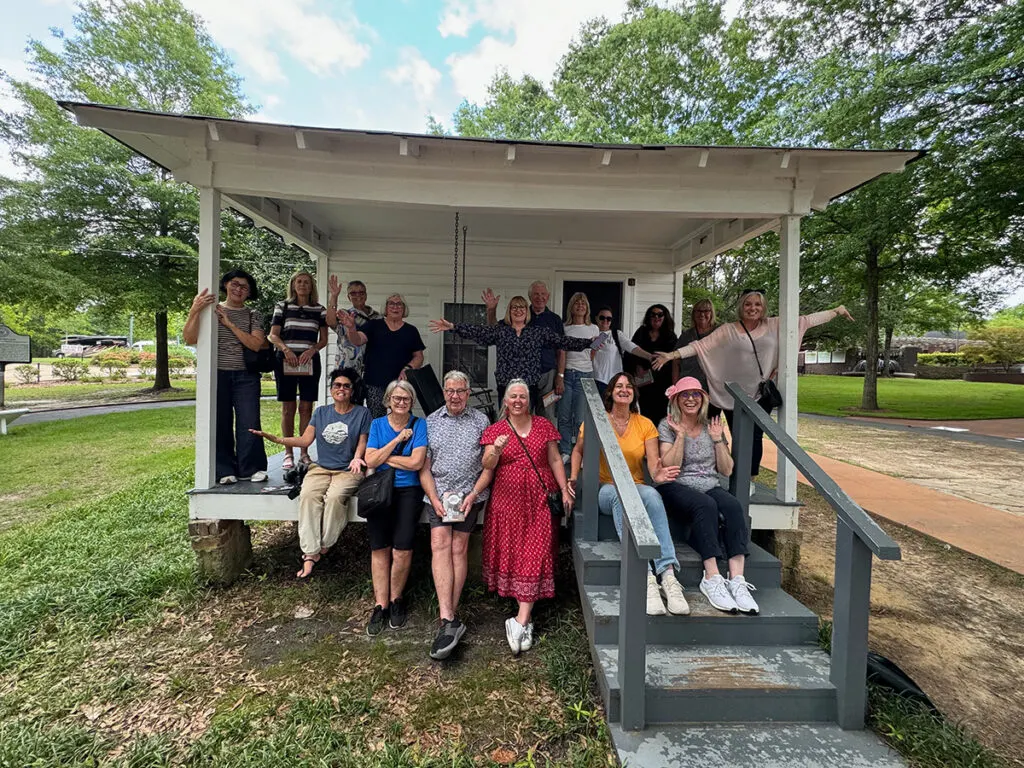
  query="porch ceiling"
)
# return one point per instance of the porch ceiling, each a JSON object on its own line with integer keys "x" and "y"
{"x": 314, "y": 184}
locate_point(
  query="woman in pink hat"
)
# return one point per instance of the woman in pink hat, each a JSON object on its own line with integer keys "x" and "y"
{"x": 696, "y": 444}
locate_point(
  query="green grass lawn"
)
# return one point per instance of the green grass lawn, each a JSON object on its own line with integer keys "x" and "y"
{"x": 912, "y": 398}
{"x": 50, "y": 395}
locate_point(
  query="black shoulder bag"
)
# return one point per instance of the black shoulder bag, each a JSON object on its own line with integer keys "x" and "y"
{"x": 374, "y": 493}
{"x": 261, "y": 361}
{"x": 553, "y": 498}
{"x": 768, "y": 395}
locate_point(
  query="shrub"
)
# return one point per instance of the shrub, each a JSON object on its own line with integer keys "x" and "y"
{"x": 147, "y": 363}
{"x": 113, "y": 366}
{"x": 941, "y": 358}
{"x": 70, "y": 369}
{"x": 110, "y": 355}
{"x": 177, "y": 365}
{"x": 1003, "y": 345}
{"x": 119, "y": 374}
{"x": 25, "y": 374}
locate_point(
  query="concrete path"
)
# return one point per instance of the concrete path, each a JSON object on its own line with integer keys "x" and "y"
{"x": 1003, "y": 433}
{"x": 980, "y": 530}
{"x": 37, "y": 417}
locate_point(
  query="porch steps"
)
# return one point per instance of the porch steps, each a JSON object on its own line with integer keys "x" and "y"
{"x": 721, "y": 689}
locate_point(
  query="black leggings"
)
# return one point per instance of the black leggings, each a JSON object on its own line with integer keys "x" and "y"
{"x": 701, "y": 510}
{"x": 395, "y": 527}
{"x": 756, "y": 449}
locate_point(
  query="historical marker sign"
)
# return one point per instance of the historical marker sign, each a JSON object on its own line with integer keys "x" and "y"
{"x": 14, "y": 348}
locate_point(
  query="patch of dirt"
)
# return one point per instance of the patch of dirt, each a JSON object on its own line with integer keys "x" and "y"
{"x": 981, "y": 473}
{"x": 953, "y": 622}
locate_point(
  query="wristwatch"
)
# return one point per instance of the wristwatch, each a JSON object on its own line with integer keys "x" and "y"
{"x": 562, "y": 375}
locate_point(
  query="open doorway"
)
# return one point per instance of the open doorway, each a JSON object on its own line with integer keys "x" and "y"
{"x": 600, "y": 293}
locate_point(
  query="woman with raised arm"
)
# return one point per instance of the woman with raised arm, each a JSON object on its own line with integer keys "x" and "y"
{"x": 298, "y": 332}
{"x": 392, "y": 346}
{"x": 398, "y": 441}
{"x": 520, "y": 533}
{"x": 340, "y": 431}
{"x": 745, "y": 352}
{"x": 696, "y": 446}
{"x": 519, "y": 344}
{"x": 240, "y": 454}
{"x": 638, "y": 439}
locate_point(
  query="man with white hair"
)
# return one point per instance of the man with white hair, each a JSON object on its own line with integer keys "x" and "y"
{"x": 551, "y": 360}
{"x": 456, "y": 490}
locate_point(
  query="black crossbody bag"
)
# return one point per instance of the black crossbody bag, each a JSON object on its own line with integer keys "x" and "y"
{"x": 553, "y": 498}
{"x": 261, "y": 361}
{"x": 375, "y": 492}
{"x": 768, "y": 395}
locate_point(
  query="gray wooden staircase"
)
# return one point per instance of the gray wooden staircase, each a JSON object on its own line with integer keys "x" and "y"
{"x": 714, "y": 689}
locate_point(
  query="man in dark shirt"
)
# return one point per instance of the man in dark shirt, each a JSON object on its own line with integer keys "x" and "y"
{"x": 551, "y": 359}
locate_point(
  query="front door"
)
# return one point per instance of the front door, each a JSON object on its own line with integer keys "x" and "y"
{"x": 600, "y": 293}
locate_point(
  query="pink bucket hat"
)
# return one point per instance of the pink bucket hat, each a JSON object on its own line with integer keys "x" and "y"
{"x": 684, "y": 385}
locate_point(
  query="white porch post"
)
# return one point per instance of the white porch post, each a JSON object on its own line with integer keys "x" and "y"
{"x": 322, "y": 275}
{"x": 206, "y": 347}
{"x": 677, "y": 296}
{"x": 789, "y": 334}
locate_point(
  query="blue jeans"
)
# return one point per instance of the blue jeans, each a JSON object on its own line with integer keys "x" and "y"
{"x": 238, "y": 411}
{"x": 608, "y": 503}
{"x": 570, "y": 409}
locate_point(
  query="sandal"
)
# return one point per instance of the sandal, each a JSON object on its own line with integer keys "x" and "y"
{"x": 289, "y": 461}
{"x": 305, "y": 460}
{"x": 305, "y": 573}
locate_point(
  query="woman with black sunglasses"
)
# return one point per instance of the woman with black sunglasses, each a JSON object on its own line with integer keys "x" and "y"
{"x": 657, "y": 334}
{"x": 740, "y": 352}
{"x": 608, "y": 359}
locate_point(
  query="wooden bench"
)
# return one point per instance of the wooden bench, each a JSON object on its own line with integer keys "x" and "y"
{"x": 10, "y": 415}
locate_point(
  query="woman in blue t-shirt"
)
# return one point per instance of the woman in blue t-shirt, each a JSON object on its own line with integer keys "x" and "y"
{"x": 340, "y": 431}
{"x": 398, "y": 441}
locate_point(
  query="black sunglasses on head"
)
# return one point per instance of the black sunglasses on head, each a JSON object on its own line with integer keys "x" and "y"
{"x": 745, "y": 291}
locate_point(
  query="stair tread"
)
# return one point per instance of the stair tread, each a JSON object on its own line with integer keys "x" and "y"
{"x": 775, "y": 604}
{"x": 611, "y": 551}
{"x": 726, "y": 667}
{"x": 752, "y": 745}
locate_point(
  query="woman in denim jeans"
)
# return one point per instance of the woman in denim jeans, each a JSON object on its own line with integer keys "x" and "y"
{"x": 638, "y": 439}
{"x": 240, "y": 454}
{"x": 577, "y": 366}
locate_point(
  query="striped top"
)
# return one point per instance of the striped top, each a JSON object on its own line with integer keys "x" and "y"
{"x": 300, "y": 325}
{"x": 229, "y": 348}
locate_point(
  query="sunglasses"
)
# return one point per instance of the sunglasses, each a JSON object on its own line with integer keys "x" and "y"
{"x": 657, "y": 314}
{"x": 691, "y": 394}
{"x": 341, "y": 385}
{"x": 604, "y": 318}
{"x": 745, "y": 291}
{"x": 357, "y": 293}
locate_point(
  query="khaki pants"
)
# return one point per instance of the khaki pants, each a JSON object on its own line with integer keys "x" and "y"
{"x": 323, "y": 507}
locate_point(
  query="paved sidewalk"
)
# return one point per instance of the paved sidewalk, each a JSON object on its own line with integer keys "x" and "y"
{"x": 980, "y": 530}
{"x": 1008, "y": 429}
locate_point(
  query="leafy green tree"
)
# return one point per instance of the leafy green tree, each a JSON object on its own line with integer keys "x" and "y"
{"x": 120, "y": 229}
{"x": 1002, "y": 344}
{"x": 1012, "y": 317}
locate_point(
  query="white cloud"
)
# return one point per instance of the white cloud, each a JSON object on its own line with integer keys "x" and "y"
{"x": 258, "y": 32}
{"x": 526, "y": 37}
{"x": 416, "y": 71}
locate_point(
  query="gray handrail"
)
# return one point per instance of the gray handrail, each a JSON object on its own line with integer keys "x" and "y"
{"x": 641, "y": 530}
{"x": 847, "y": 510}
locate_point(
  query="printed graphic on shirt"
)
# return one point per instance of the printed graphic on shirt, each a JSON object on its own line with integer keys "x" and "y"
{"x": 336, "y": 433}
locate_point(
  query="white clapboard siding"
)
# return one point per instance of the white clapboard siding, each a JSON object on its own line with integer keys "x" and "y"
{"x": 422, "y": 272}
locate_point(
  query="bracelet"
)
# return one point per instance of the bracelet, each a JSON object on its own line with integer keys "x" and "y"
{"x": 723, "y": 441}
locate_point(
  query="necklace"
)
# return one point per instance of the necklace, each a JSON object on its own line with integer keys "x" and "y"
{"x": 620, "y": 425}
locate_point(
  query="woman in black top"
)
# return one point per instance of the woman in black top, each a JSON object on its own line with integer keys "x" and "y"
{"x": 702, "y": 323}
{"x": 298, "y": 331}
{"x": 657, "y": 334}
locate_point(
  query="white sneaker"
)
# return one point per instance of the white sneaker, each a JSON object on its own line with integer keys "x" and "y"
{"x": 527, "y": 641}
{"x": 718, "y": 594}
{"x": 514, "y": 634}
{"x": 673, "y": 592}
{"x": 654, "y": 605}
{"x": 228, "y": 480}
{"x": 740, "y": 590}
{"x": 258, "y": 477}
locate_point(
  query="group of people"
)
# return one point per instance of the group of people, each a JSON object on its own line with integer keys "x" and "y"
{"x": 664, "y": 396}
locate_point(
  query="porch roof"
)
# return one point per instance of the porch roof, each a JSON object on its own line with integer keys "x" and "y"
{"x": 313, "y": 184}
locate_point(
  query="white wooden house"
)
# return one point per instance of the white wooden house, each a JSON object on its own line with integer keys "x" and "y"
{"x": 379, "y": 207}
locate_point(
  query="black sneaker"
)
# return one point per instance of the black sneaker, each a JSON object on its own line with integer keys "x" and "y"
{"x": 378, "y": 619}
{"x": 448, "y": 637}
{"x": 399, "y": 614}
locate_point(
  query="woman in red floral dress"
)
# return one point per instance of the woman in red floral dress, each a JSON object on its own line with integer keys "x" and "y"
{"x": 520, "y": 536}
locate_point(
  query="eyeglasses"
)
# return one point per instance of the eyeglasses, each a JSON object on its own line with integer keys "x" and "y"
{"x": 400, "y": 399}
{"x": 702, "y": 312}
{"x": 238, "y": 284}
{"x": 518, "y": 307}
{"x": 657, "y": 314}
{"x": 604, "y": 318}
{"x": 341, "y": 385}
{"x": 396, "y": 304}
{"x": 456, "y": 392}
{"x": 691, "y": 394}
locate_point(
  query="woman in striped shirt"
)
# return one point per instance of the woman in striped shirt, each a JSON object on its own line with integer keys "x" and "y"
{"x": 298, "y": 331}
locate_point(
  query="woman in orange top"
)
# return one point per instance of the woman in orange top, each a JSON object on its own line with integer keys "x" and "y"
{"x": 638, "y": 439}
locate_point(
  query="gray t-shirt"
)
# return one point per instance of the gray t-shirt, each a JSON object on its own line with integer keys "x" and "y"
{"x": 699, "y": 468}
{"x": 337, "y": 434}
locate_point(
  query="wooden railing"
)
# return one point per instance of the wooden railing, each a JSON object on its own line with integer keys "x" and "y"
{"x": 639, "y": 545}
{"x": 858, "y": 537}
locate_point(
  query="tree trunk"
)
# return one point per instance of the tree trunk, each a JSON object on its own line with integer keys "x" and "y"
{"x": 163, "y": 375}
{"x": 885, "y": 352}
{"x": 869, "y": 399}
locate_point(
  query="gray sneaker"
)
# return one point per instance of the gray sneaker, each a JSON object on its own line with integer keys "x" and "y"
{"x": 448, "y": 637}
{"x": 527, "y": 641}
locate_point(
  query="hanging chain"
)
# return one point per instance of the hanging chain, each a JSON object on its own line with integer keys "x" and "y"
{"x": 464, "y": 264}
{"x": 455, "y": 269}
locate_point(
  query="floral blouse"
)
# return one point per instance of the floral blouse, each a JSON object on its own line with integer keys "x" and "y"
{"x": 519, "y": 355}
